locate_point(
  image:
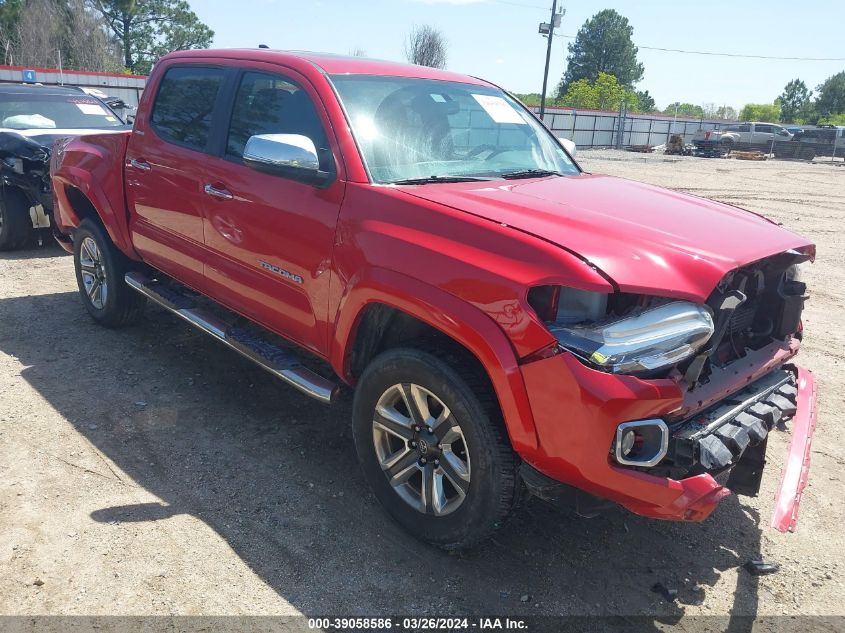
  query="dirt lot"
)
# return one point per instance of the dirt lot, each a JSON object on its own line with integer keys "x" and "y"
{"x": 151, "y": 471}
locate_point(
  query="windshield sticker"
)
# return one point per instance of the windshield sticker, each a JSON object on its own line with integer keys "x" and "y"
{"x": 499, "y": 109}
{"x": 438, "y": 98}
{"x": 91, "y": 108}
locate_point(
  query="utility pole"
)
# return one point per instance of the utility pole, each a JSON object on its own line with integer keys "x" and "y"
{"x": 550, "y": 29}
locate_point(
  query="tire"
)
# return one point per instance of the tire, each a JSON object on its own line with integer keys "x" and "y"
{"x": 808, "y": 154}
{"x": 100, "y": 269}
{"x": 453, "y": 516}
{"x": 727, "y": 145}
{"x": 15, "y": 223}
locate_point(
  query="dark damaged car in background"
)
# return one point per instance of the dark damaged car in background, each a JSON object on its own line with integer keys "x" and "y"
{"x": 32, "y": 118}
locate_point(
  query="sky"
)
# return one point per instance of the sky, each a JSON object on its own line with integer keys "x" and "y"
{"x": 498, "y": 39}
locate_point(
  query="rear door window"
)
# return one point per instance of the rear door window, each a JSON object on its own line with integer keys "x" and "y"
{"x": 184, "y": 105}
{"x": 763, "y": 129}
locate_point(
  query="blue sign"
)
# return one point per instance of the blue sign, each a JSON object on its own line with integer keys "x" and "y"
{"x": 28, "y": 76}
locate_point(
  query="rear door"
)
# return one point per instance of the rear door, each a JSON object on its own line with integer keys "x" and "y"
{"x": 164, "y": 178}
{"x": 269, "y": 237}
{"x": 744, "y": 141}
{"x": 762, "y": 136}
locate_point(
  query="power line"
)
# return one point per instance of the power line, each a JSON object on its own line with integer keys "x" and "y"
{"x": 717, "y": 54}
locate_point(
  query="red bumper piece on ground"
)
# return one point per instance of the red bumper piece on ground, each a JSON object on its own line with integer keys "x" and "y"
{"x": 797, "y": 467}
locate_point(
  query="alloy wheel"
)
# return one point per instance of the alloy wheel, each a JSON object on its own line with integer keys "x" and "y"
{"x": 93, "y": 273}
{"x": 421, "y": 449}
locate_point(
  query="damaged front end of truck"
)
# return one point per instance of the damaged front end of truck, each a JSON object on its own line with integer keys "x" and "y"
{"x": 684, "y": 394}
{"x": 25, "y": 192}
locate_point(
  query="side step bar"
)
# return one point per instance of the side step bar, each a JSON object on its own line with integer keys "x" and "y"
{"x": 274, "y": 359}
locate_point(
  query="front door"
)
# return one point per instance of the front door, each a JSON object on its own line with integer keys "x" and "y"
{"x": 270, "y": 238}
{"x": 164, "y": 170}
{"x": 762, "y": 136}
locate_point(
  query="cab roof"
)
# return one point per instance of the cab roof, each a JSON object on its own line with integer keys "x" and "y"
{"x": 330, "y": 64}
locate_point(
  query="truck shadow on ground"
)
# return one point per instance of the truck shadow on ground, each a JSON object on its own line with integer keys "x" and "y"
{"x": 48, "y": 249}
{"x": 275, "y": 474}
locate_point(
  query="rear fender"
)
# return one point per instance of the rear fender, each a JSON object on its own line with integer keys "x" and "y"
{"x": 457, "y": 319}
{"x": 93, "y": 165}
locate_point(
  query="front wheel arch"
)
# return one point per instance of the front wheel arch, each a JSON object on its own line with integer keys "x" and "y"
{"x": 477, "y": 335}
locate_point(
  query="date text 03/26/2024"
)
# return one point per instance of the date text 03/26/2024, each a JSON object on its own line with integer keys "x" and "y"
{"x": 416, "y": 624}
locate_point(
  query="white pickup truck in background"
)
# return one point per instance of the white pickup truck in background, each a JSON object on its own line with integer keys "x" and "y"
{"x": 745, "y": 136}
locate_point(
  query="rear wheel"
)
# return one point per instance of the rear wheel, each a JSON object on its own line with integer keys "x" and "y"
{"x": 15, "y": 223}
{"x": 100, "y": 270}
{"x": 432, "y": 445}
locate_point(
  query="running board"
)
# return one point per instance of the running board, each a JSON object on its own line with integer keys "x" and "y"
{"x": 271, "y": 357}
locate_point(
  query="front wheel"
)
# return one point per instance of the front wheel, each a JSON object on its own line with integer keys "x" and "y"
{"x": 433, "y": 447}
{"x": 100, "y": 270}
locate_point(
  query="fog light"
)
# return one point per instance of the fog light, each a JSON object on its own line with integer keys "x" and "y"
{"x": 628, "y": 439}
{"x": 641, "y": 443}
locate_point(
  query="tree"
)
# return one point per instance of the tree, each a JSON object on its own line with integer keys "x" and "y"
{"x": 831, "y": 99}
{"x": 603, "y": 44}
{"x": 685, "y": 110}
{"x": 357, "y": 51}
{"x": 56, "y": 33}
{"x": 645, "y": 102}
{"x": 605, "y": 93}
{"x": 833, "y": 119}
{"x": 88, "y": 44}
{"x": 426, "y": 46}
{"x": 794, "y": 101}
{"x": 726, "y": 112}
{"x": 712, "y": 111}
{"x": 148, "y": 29}
{"x": 766, "y": 112}
{"x": 529, "y": 99}
{"x": 10, "y": 11}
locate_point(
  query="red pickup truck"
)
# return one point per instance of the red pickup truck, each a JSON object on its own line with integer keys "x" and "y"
{"x": 508, "y": 321}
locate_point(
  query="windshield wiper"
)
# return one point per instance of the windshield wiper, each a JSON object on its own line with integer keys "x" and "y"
{"x": 431, "y": 179}
{"x": 529, "y": 173}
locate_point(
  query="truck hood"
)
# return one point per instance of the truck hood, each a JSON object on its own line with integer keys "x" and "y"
{"x": 646, "y": 239}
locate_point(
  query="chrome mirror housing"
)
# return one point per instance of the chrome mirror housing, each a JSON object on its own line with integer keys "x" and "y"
{"x": 292, "y": 156}
{"x": 281, "y": 150}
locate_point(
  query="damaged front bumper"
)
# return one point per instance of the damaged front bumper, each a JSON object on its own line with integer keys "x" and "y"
{"x": 575, "y": 440}
{"x": 730, "y": 438}
{"x": 797, "y": 469}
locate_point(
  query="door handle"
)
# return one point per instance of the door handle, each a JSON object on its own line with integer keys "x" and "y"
{"x": 222, "y": 194}
{"x": 140, "y": 163}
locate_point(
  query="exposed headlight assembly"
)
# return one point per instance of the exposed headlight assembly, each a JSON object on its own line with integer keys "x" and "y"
{"x": 645, "y": 340}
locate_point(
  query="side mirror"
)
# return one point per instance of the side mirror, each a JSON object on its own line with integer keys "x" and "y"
{"x": 292, "y": 156}
{"x": 568, "y": 145}
{"x": 130, "y": 119}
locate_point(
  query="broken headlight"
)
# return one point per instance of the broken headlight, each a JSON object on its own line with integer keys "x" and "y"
{"x": 644, "y": 339}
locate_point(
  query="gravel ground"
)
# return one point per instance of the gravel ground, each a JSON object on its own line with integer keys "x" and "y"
{"x": 151, "y": 471}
